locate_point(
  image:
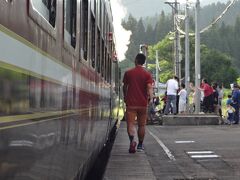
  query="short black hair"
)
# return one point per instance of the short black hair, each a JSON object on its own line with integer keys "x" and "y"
{"x": 183, "y": 85}
{"x": 140, "y": 58}
{"x": 205, "y": 80}
{"x": 235, "y": 85}
{"x": 175, "y": 77}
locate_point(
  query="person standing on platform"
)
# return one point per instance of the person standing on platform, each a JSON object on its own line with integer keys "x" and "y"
{"x": 182, "y": 99}
{"x": 172, "y": 88}
{"x": 230, "y": 110}
{"x": 138, "y": 93}
{"x": 208, "y": 96}
{"x": 236, "y": 102}
{"x": 215, "y": 98}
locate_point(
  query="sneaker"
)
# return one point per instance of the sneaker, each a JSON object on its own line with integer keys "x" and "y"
{"x": 140, "y": 148}
{"x": 132, "y": 148}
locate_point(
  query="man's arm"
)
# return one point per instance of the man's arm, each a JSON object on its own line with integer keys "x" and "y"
{"x": 125, "y": 87}
{"x": 150, "y": 91}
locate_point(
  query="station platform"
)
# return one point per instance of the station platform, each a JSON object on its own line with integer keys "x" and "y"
{"x": 180, "y": 152}
{"x": 125, "y": 166}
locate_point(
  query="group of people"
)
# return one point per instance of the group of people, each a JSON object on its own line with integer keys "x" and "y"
{"x": 211, "y": 97}
{"x": 138, "y": 94}
{"x": 176, "y": 98}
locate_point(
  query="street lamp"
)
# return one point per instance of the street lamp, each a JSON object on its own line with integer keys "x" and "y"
{"x": 143, "y": 49}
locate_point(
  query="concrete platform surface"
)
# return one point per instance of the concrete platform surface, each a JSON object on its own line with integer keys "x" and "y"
{"x": 178, "y": 153}
{"x": 125, "y": 166}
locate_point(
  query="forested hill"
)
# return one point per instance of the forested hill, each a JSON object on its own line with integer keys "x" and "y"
{"x": 210, "y": 12}
{"x": 222, "y": 40}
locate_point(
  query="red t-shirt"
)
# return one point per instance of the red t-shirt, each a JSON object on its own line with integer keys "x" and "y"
{"x": 208, "y": 90}
{"x": 136, "y": 80}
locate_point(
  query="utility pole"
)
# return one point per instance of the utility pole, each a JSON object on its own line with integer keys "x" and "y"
{"x": 187, "y": 76}
{"x": 176, "y": 42}
{"x": 157, "y": 78}
{"x": 197, "y": 59}
{"x": 174, "y": 6}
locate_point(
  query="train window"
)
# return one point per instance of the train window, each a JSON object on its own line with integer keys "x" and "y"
{"x": 103, "y": 21}
{"x": 84, "y": 29}
{"x": 105, "y": 63}
{"x": 106, "y": 28}
{"x": 47, "y": 9}
{"x": 93, "y": 6}
{"x": 70, "y": 16}
{"x": 102, "y": 58}
{"x": 93, "y": 43}
{"x": 100, "y": 14}
{"x": 98, "y": 67}
{"x": 109, "y": 70}
{"x": 110, "y": 38}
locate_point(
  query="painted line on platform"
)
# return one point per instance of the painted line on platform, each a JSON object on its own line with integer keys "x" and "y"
{"x": 200, "y": 152}
{"x": 205, "y": 156}
{"x": 184, "y": 142}
{"x": 167, "y": 151}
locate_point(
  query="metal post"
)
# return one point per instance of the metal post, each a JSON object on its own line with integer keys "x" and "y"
{"x": 145, "y": 52}
{"x": 197, "y": 59}
{"x": 143, "y": 49}
{"x": 157, "y": 78}
{"x": 187, "y": 77}
{"x": 174, "y": 6}
{"x": 176, "y": 42}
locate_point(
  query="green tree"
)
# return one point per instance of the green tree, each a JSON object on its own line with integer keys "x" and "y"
{"x": 164, "y": 49}
{"x": 216, "y": 66}
{"x": 163, "y": 26}
{"x": 150, "y": 35}
{"x": 140, "y": 33}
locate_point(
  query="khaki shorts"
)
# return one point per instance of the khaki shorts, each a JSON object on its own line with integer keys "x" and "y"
{"x": 136, "y": 113}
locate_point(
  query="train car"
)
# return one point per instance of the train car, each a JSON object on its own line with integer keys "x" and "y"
{"x": 59, "y": 87}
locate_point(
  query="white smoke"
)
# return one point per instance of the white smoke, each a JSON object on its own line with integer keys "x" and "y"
{"x": 122, "y": 35}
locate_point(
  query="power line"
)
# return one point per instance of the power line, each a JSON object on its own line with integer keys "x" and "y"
{"x": 210, "y": 25}
{"x": 219, "y": 17}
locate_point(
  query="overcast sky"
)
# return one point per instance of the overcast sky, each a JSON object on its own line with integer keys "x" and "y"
{"x": 143, "y": 8}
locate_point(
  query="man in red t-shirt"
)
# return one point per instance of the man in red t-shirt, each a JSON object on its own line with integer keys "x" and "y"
{"x": 137, "y": 91}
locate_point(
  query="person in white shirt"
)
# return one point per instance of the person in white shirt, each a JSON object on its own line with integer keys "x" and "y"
{"x": 182, "y": 99}
{"x": 172, "y": 88}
